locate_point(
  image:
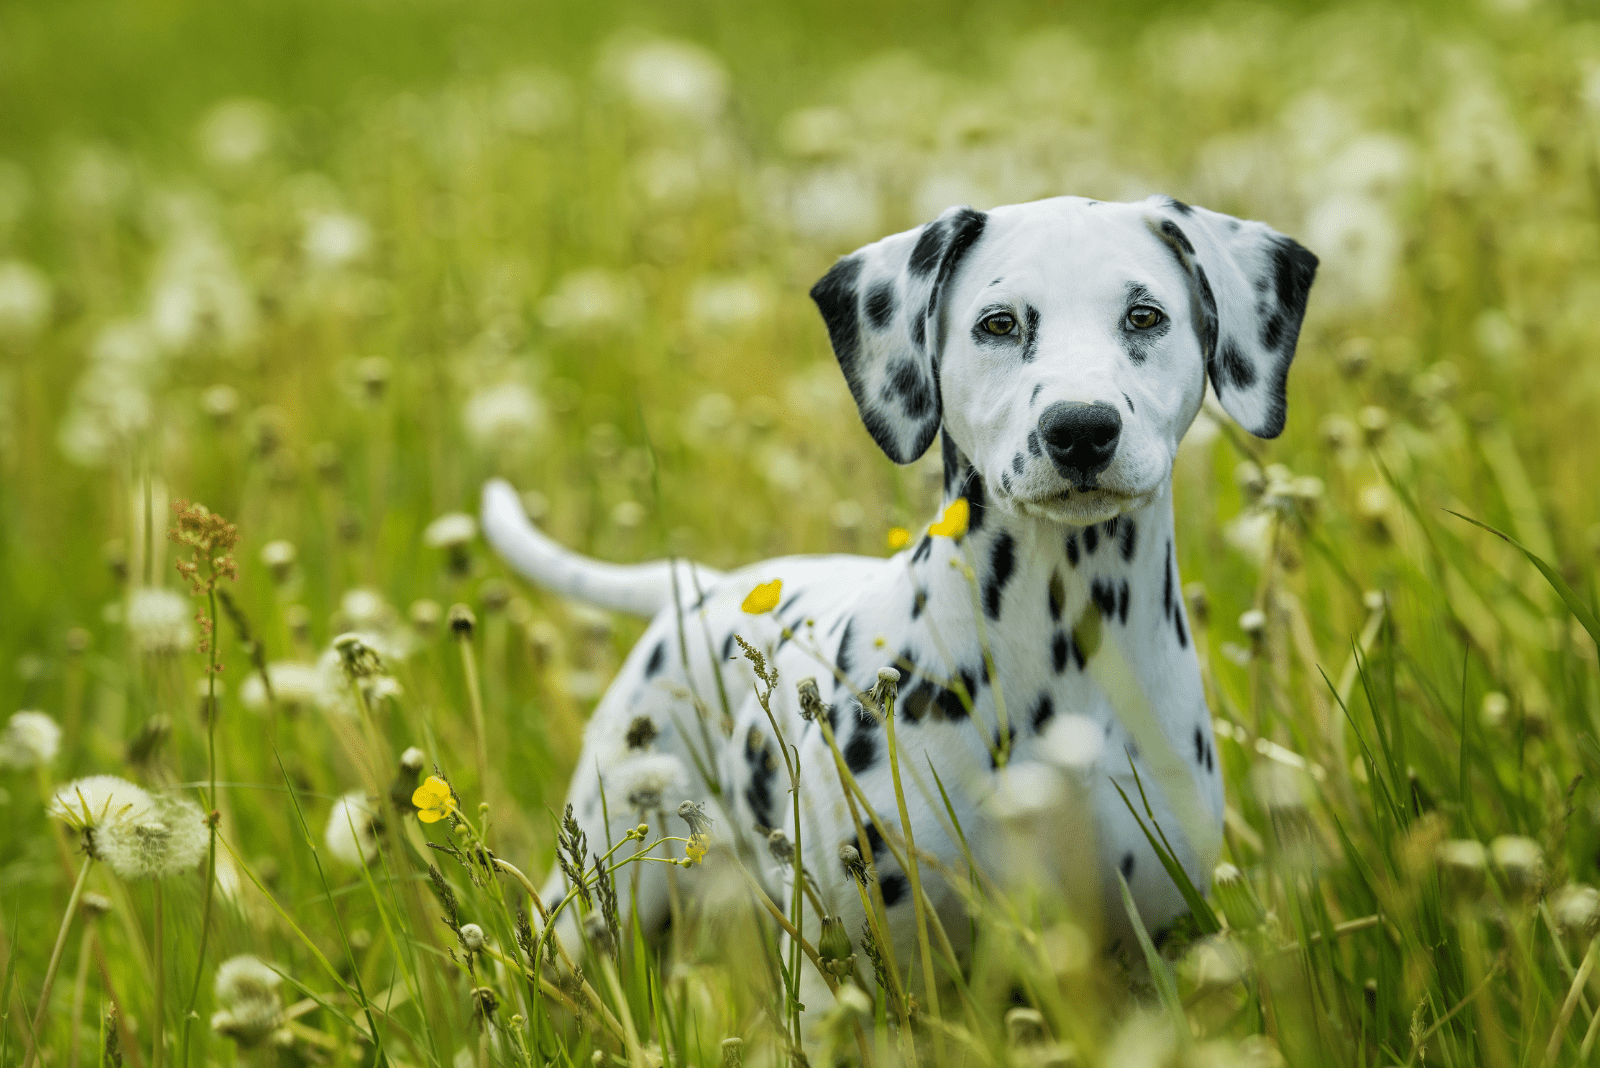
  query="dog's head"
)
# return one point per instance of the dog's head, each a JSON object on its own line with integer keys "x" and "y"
{"x": 1064, "y": 345}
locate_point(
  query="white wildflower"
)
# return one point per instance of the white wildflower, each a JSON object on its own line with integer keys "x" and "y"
{"x": 591, "y": 299}
{"x": 159, "y": 621}
{"x": 168, "y": 839}
{"x": 87, "y": 804}
{"x": 726, "y": 303}
{"x": 294, "y": 684}
{"x": 509, "y": 413}
{"x": 673, "y": 79}
{"x": 30, "y": 739}
{"x": 251, "y": 1007}
{"x": 334, "y": 239}
{"x": 236, "y": 133}
{"x": 645, "y": 780}
{"x": 353, "y": 829}
{"x": 450, "y": 530}
{"x": 24, "y": 300}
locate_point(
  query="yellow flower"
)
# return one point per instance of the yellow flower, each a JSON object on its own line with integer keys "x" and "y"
{"x": 764, "y": 598}
{"x": 433, "y": 800}
{"x": 696, "y": 849}
{"x": 954, "y": 523}
{"x": 898, "y": 536}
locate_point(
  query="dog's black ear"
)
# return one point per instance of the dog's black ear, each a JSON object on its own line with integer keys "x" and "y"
{"x": 1251, "y": 285}
{"x": 881, "y": 304}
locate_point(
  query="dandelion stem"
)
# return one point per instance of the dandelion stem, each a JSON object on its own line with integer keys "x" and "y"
{"x": 475, "y": 697}
{"x": 929, "y": 977}
{"x": 1579, "y": 981}
{"x": 212, "y": 712}
{"x": 159, "y": 1011}
{"x": 55, "y": 959}
{"x": 80, "y": 989}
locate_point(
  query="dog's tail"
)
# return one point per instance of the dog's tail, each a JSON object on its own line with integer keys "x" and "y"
{"x": 642, "y": 589}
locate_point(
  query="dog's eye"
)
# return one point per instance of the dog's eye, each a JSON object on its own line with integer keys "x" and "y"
{"x": 1000, "y": 324}
{"x": 1143, "y": 317}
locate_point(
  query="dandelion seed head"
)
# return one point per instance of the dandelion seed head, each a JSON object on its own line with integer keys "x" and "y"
{"x": 170, "y": 839}
{"x": 509, "y": 414}
{"x": 90, "y": 803}
{"x": 334, "y": 239}
{"x": 472, "y": 937}
{"x": 159, "y": 621}
{"x": 30, "y": 739}
{"x": 24, "y": 300}
{"x": 644, "y": 780}
{"x": 450, "y": 530}
{"x": 236, "y": 133}
{"x": 668, "y": 79}
{"x": 353, "y": 829}
{"x": 294, "y": 684}
{"x": 251, "y": 1007}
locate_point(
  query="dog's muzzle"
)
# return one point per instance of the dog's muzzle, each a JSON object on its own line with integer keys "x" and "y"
{"x": 1080, "y": 439}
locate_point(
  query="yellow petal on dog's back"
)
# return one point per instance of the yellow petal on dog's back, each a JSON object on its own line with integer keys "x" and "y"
{"x": 764, "y": 598}
{"x": 898, "y": 536}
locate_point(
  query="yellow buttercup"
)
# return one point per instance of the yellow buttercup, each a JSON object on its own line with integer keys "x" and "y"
{"x": 433, "y": 800}
{"x": 954, "y": 522}
{"x": 764, "y": 598}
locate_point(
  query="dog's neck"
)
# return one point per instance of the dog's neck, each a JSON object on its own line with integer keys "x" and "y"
{"x": 1031, "y": 570}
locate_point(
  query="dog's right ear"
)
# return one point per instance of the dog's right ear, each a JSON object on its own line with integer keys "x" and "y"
{"x": 881, "y": 305}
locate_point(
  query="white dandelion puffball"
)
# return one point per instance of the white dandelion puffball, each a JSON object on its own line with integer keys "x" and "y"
{"x": 236, "y": 133}
{"x": 510, "y": 413}
{"x": 353, "y": 828}
{"x": 295, "y": 685}
{"x": 85, "y": 804}
{"x": 592, "y": 299}
{"x": 647, "y": 781}
{"x": 24, "y": 300}
{"x": 30, "y": 739}
{"x": 168, "y": 839}
{"x": 669, "y": 78}
{"x": 1073, "y": 741}
{"x": 450, "y": 530}
{"x": 335, "y": 239}
{"x": 251, "y": 1007}
{"x": 159, "y": 621}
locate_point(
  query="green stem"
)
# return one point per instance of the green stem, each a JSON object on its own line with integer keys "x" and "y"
{"x": 159, "y": 1011}
{"x": 211, "y": 848}
{"x": 55, "y": 960}
{"x": 470, "y": 666}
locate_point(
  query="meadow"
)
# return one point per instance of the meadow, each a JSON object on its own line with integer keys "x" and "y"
{"x": 574, "y": 254}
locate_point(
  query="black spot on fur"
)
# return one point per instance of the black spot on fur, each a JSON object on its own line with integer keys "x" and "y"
{"x": 894, "y": 887}
{"x": 907, "y": 384}
{"x": 1030, "y": 344}
{"x": 919, "y": 601}
{"x": 1077, "y": 653}
{"x": 658, "y": 659}
{"x": 919, "y": 332}
{"x": 1129, "y": 400}
{"x": 727, "y": 646}
{"x": 1199, "y": 746}
{"x": 1091, "y": 539}
{"x": 1208, "y": 324}
{"x": 950, "y": 455}
{"x": 1072, "y": 549}
{"x": 972, "y": 489}
{"x": 835, "y": 297}
{"x": 1035, "y": 394}
{"x": 843, "y": 661}
{"x": 1001, "y": 562}
{"x": 1127, "y": 866}
{"x": 930, "y": 698}
{"x": 1293, "y": 268}
{"x": 1166, "y": 586}
{"x": 1176, "y": 238}
{"x": 1043, "y": 712}
{"x": 1104, "y": 596}
{"x": 1058, "y": 652}
{"x": 1179, "y": 206}
{"x": 880, "y": 304}
{"x": 930, "y": 243}
{"x": 1005, "y": 481}
{"x": 788, "y": 603}
{"x": 1210, "y": 759}
{"x": 924, "y": 547}
{"x": 861, "y": 751}
{"x": 1033, "y": 443}
{"x": 1234, "y": 369}
{"x": 1130, "y": 533}
{"x": 1017, "y": 463}
{"x": 763, "y": 769}
{"x": 1057, "y": 594}
{"x": 1122, "y": 602}
{"x": 1177, "y": 624}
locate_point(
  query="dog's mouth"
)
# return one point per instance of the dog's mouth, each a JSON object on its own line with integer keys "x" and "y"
{"x": 1081, "y": 507}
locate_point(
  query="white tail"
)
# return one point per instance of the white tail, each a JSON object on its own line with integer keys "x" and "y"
{"x": 642, "y": 589}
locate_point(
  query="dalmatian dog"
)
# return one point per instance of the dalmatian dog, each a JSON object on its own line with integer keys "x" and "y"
{"x": 1058, "y": 350}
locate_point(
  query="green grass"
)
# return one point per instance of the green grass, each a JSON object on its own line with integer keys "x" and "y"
{"x": 1415, "y": 680}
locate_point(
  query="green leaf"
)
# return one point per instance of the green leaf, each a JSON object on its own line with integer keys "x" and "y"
{"x": 1192, "y": 897}
{"x": 1586, "y": 614}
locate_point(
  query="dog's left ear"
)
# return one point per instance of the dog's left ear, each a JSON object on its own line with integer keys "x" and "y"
{"x": 881, "y": 305}
{"x": 1251, "y": 284}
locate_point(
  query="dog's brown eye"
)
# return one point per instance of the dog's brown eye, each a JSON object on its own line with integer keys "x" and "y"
{"x": 1143, "y": 317}
{"x": 1000, "y": 324}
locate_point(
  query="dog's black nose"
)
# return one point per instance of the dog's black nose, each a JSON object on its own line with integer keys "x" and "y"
{"x": 1081, "y": 439}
